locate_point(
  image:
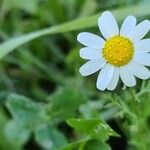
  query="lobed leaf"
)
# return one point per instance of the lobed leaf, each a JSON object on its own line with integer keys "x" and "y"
{"x": 26, "y": 112}
{"x": 50, "y": 138}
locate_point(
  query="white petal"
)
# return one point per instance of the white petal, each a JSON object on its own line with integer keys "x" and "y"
{"x": 92, "y": 66}
{"x": 139, "y": 70}
{"x": 143, "y": 45}
{"x": 90, "y": 40}
{"x": 114, "y": 81}
{"x": 142, "y": 58}
{"x": 89, "y": 53}
{"x": 141, "y": 30}
{"x": 127, "y": 77}
{"x": 105, "y": 77}
{"x": 108, "y": 25}
{"x": 128, "y": 26}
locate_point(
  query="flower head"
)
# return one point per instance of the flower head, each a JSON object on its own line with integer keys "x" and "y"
{"x": 119, "y": 54}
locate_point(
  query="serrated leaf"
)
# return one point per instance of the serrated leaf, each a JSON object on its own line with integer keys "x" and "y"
{"x": 95, "y": 128}
{"x": 26, "y": 112}
{"x": 50, "y": 138}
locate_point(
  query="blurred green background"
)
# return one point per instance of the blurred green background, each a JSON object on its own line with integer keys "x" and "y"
{"x": 41, "y": 88}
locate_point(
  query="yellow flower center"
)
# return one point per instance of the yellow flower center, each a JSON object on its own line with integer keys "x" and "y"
{"x": 118, "y": 51}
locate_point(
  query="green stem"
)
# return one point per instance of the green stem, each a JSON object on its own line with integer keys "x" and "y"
{"x": 137, "y": 127}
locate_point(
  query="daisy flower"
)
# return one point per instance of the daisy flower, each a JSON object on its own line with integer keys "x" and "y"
{"x": 118, "y": 54}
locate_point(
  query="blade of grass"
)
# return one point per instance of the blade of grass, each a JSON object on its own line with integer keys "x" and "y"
{"x": 77, "y": 24}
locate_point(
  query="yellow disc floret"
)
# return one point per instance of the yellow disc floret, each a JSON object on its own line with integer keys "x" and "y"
{"x": 118, "y": 51}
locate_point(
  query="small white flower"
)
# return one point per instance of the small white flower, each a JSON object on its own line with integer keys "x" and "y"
{"x": 121, "y": 53}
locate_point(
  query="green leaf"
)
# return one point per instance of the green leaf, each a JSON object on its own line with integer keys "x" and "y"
{"x": 5, "y": 143}
{"x": 87, "y": 144}
{"x": 77, "y": 24}
{"x": 75, "y": 145}
{"x": 50, "y": 138}
{"x": 95, "y": 128}
{"x": 70, "y": 97}
{"x": 96, "y": 145}
{"x": 26, "y": 112}
{"x": 15, "y": 42}
{"x": 15, "y": 133}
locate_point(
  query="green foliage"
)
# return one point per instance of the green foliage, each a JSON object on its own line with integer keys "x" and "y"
{"x": 93, "y": 128}
{"x": 26, "y": 112}
{"x": 49, "y": 138}
{"x": 29, "y": 6}
{"x": 72, "y": 98}
{"x": 7, "y": 143}
{"x": 41, "y": 88}
{"x": 97, "y": 145}
{"x": 76, "y": 145}
{"x": 77, "y": 24}
{"x": 96, "y": 133}
{"x": 73, "y": 60}
{"x": 16, "y": 133}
